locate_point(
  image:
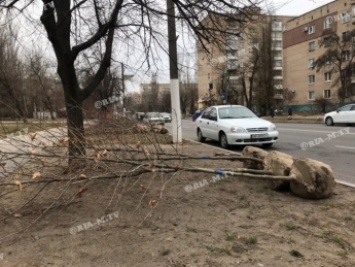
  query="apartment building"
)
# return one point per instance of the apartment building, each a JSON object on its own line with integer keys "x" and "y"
{"x": 301, "y": 49}
{"x": 220, "y": 70}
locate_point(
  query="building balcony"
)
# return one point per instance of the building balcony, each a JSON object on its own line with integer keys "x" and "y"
{"x": 276, "y": 48}
{"x": 352, "y": 78}
{"x": 278, "y": 96}
{"x": 277, "y": 67}
{"x": 278, "y": 77}
{"x": 278, "y": 87}
{"x": 277, "y": 28}
{"x": 275, "y": 38}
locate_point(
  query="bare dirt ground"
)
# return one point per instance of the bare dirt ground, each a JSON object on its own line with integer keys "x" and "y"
{"x": 172, "y": 219}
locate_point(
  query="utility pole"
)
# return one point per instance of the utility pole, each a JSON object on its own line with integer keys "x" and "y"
{"x": 123, "y": 89}
{"x": 174, "y": 75}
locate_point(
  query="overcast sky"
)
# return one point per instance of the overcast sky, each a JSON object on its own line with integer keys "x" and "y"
{"x": 296, "y": 7}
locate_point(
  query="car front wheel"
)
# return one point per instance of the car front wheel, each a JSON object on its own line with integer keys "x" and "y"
{"x": 200, "y": 136}
{"x": 223, "y": 141}
{"x": 329, "y": 121}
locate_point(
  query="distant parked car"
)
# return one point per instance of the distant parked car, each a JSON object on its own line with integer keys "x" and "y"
{"x": 235, "y": 125}
{"x": 166, "y": 116}
{"x": 154, "y": 118}
{"x": 345, "y": 114}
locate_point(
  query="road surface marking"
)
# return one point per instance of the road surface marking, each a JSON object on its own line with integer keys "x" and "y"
{"x": 310, "y": 131}
{"x": 346, "y": 147}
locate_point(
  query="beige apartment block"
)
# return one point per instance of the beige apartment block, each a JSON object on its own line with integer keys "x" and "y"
{"x": 219, "y": 69}
{"x": 301, "y": 48}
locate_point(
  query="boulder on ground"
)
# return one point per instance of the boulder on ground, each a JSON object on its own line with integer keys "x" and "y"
{"x": 279, "y": 164}
{"x": 253, "y": 152}
{"x": 313, "y": 179}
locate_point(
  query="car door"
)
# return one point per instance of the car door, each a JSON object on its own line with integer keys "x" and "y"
{"x": 352, "y": 115}
{"x": 213, "y": 124}
{"x": 343, "y": 114}
{"x": 203, "y": 122}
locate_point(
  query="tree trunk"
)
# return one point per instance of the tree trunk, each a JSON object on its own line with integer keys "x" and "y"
{"x": 75, "y": 116}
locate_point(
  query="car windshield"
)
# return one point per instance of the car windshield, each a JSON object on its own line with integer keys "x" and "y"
{"x": 235, "y": 113}
{"x": 153, "y": 115}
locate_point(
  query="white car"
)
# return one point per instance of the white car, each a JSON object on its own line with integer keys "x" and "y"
{"x": 153, "y": 118}
{"x": 345, "y": 114}
{"x": 235, "y": 125}
{"x": 166, "y": 116}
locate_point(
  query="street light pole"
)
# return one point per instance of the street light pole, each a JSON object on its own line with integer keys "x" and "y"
{"x": 174, "y": 75}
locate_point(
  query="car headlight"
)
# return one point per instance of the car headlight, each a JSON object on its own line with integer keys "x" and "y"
{"x": 238, "y": 130}
{"x": 272, "y": 127}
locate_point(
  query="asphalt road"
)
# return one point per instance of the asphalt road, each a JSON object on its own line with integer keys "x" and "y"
{"x": 334, "y": 145}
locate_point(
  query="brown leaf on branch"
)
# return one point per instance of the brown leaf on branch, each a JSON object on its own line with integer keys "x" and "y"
{"x": 97, "y": 158}
{"x": 104, "y": 153}
{"x": 33, "y": 136}
{"x": 36, "y": 175}
{"x": 81, "y": 192}
{"x": 153, "y": 202}
{"x": 32, "y": 151}
{"x": 82, "y": 176}
{"x": 138, "y": 145}
{"x": 2, "y": 165}
{"x": 18, "y": 183}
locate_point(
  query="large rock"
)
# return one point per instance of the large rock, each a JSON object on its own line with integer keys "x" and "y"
{"x": 313, "y": 179}
{"x": 159, "y": 129}
{"x": 279, "y": 164}
{"x": 253, "y": 152}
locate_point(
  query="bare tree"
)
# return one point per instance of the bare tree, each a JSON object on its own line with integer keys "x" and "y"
{"x": 11, "y": 74}
{"x": 338, "y": 58}
{"x": 265, "y": 72}
{"x": 74, "y": 27}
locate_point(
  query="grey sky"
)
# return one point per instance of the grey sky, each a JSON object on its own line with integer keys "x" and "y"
{"x": 297, "y": 7}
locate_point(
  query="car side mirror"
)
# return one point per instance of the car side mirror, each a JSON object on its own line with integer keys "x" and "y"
{"x": 338, "y": 110}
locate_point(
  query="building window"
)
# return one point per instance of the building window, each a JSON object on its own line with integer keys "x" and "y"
{"x": 209, "y": 76}
{"x": 311, "y": 79}
{"x": 276, "y": 35}
{"x": 326, "y": 93}
{"x": 345, "y": 55}
{"x": 345, "y": 17}
{"x": 277, "y": 53}
{"x": 278, "y": 63}
{"x": 311, "y": 63}
{"x": 346, "y": 36}
{"x": 311, "y": 29}
{"x": 277, "y": 73}
{"x": 311, "y": 46}
{"x": 328, "y": 23}
{"x": 327, "y": 76}
{"x": 311, "y": 95}
{"x": 277, "y": 82}
{"x": 276, "y": 44}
